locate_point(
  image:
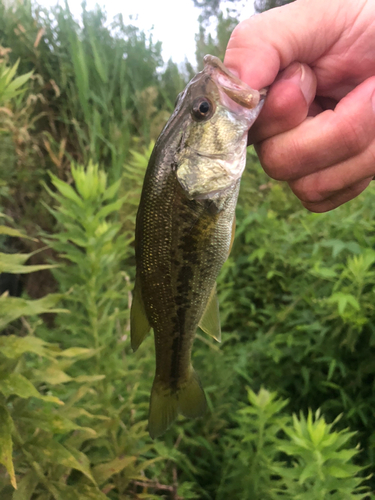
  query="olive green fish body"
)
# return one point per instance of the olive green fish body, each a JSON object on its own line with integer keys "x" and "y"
{"x": 184, "y": 231}
{"x": 181, "y": 246}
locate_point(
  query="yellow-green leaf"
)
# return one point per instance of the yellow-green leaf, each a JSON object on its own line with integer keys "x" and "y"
{"x": 12, "y": 308}
{"x": 15, "y": 383}
{"x": 103, "y": 472}
{"x": 14, "y": 263}
{"x": 52, "y": 375}
{"x": 6, "y": 446}
{"x": 56, "y": 453}
{"x": 73, "y": 352}
{"x": 26, "y": 487}
{"x": 63, "y": 491}
{"x": 10, "y": 231}
{"x": 88, "y": 378}
{"x": 13, "y": 347}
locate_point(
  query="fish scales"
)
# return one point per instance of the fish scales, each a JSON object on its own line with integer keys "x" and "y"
{"x": 184, "y": 231}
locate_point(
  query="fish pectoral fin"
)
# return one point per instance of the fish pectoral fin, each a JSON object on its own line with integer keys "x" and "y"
{"x": 210, "y": 320}
{"x": 166, "y": 404}
{"x": 139, "y": 325}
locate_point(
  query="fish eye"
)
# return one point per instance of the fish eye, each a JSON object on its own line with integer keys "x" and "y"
{"x": 202, "y": 109}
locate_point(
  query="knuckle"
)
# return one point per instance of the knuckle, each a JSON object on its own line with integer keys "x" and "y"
{"x": 309, "y": 191}
{"x": 320, "y": 208}
{"x": 280, "y": 161}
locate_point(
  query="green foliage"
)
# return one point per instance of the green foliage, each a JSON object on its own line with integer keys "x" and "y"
{"x": 212, "y": 8}
{"x": 18, "y": 149}
{"x": 318, "y": 467}
{"x": 263, "y": 5}
{"x": 215, "y": 45}
{"x": 97, "y": 89}
{"x": 260, "y": 450}
{"x": 10, "y": 86}
{"x": 296, "y": 297}
{"x": 321, "y": 467}
{"x": 19, "y": 381}
{"x": 95, "y": 74}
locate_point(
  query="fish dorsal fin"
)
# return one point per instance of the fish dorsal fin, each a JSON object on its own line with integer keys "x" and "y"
{"x": 210, "y": 321}
{"x": 139, "y": 325}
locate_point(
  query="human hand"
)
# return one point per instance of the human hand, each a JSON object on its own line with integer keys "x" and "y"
{"x": 317, "y": 128}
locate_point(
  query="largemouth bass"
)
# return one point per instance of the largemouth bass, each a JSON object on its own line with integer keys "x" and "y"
{"x": 185, "y": 226}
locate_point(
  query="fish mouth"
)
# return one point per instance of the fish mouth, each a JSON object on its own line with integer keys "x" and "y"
{"x": 237, "y": 90}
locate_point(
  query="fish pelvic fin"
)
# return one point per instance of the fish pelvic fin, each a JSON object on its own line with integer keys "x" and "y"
{"x": 139, "y": 325}
{"x": 166, "y": 404}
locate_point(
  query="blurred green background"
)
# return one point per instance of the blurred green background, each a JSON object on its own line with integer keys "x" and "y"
{"x": 291, "y": 386}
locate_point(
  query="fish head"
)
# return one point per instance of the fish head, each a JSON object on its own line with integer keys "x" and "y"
{"x": 217, "y": 110}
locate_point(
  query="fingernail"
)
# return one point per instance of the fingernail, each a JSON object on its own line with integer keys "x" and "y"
{"x": 291, "y": 73}
{"x": 234, "y": 71}
{"x": 297, "y": 74}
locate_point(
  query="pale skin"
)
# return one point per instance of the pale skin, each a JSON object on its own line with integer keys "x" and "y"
{"x": 317, "y": 128}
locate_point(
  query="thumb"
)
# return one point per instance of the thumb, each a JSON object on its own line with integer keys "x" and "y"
{"x": 266, "y": 43}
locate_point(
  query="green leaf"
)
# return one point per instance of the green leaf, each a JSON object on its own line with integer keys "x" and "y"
{"x": 108, "y": 209}
{"x": 77, "y": 492}
{"x": 67, "y": 191}
{"x": 10, "y": 231}
{"x": 13, "y": 347}
{"x": 342, "y": 300}
{"x": 17, "y": 83}
{"x": 75, "y": 352}
{"x": 12, "y": 308}
{"x": 310, "y": 470}
{"x": 89, "y": 378}
{"x": 103, "y": 472}
{"x": 53, "y": 452}
{"x": 323, "y": 272}
{"x": 52, "y": 375}
{"x": 111, "y": 191}
{"x": 15, "y": 383}
{"x": 9, "y": 264}
{"x": 99, "y": 64}
{"x": 6, "y": 446}
{"x": 50, "y": 421}
{"x": 342, "y": 470}
{"x": 26, "y": 487}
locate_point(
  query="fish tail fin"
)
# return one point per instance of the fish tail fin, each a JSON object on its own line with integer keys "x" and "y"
{"x": 192, "y": 401}
{"x": 166, "y": 404}
{"x": 163, "y": 409}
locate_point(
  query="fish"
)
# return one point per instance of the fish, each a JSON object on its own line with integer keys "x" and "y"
{"x": 184, "y": 231}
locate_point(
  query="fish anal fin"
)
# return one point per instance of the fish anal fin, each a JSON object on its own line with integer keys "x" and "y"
{"x": 139, "y": 325}
{"x": 165, "y": 404}
{"x": 210, "y": 320}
